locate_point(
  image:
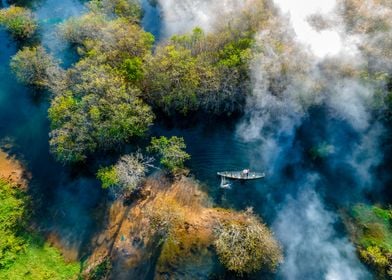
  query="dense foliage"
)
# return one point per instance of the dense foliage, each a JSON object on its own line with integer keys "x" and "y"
{"x": 40, "y": 261}
{"x": 129, "y": 9}
{"x": 12, "y": 217}
{"x": 171, "y": 151}
{"x": 100, "y": 105}
{"x": 373, "y": 235}
{"x": 34, "y": 66}
{"x": 126, "y": 175}
{"x": 246, "y": 245}
{"x": 20, "y": 22}
{"x": 97, "y": 111}
{"x": 104, "y": 100}
{"x": 22, "y": 254}
{"x": 199, "y": 72}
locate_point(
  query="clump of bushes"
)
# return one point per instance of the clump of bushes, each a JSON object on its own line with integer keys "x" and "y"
{"x": 35, "y": 67}
{"x": 373, "y": 236}
{"x": 200, "y": 72}
{"x": 246, "y": 245}
{"x": 129, "y": 9}
{"x": 126, "y": 175}
{"x": 100, "y": 105}
{"x": 20, "y": 22}
{"x": 171, "y": 151}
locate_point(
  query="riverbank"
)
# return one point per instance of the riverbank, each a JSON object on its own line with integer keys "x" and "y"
{"x": 169, "y": 230}
{"x": 24, "y": 253}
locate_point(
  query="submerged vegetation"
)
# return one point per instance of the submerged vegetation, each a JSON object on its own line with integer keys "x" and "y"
{"x": 19, "y": 21}
{"x": 371, "y": 230}
{"x": 112, "y": 94}
{"x": 35, "y": 67}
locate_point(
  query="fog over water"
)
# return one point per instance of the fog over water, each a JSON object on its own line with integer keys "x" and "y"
{"x": 300, "y": 196}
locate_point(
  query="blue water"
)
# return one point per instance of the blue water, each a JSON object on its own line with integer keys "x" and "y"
{"x": 151, "y": 21}
{"x": 66, "y": 199}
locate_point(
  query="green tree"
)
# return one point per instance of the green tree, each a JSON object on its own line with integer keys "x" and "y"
{"x": 129, "y": 9}
{"x": 100, "y": 105}
{"x": 98, "y": 111}
{"x": 371, "y": 230}
{"x": 20, "y": 22}
{"x": 173, "y": 79}
{"x": 34, "y": 66}
{"x": 108, "y": 177}
{"x": 199, "y": 72}
{"x": 171, "y": 151}
{"x": 107, "y": 41}
{"x": 133, "y": 69}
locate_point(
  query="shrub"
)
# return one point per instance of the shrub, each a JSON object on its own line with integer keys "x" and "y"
{"x": 171, "y": 151}
{"x": 20, "y": 22}
{"x": 34, "y": 66}
{"x": 108, "y": 177}
{"x": 247, "y": 245}
{"x": 126, "y": 175}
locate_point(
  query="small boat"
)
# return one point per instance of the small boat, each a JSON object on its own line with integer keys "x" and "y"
{"x": 241, "y": 175}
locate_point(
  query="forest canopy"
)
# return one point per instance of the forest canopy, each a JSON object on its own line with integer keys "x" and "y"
{"x": 121, "y": 82}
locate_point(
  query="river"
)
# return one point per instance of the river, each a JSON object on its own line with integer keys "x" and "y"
{"x": 310, "y": 190}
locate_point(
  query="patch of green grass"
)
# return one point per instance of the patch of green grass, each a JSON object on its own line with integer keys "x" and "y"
{"x": 40, "y": 261}
{"x": 375, "y": 225}
{"x": 373, "y": 236}
{"x": 24, "y": 255}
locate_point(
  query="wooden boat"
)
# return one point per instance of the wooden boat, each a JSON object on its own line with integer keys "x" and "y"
{"x": 240, "y": 175}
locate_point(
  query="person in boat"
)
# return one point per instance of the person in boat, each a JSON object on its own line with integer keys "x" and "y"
{"x": 246, "y": 173}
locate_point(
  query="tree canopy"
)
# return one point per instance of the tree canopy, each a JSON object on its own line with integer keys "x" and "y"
{"x": 126, "y": 175}
{"x": 171, "y": 151}
{"x": 34, "y": 66}
{"x": 97, "y": 111}
{"x": 19, "y": 21}
{"x": 199, "y": 72}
